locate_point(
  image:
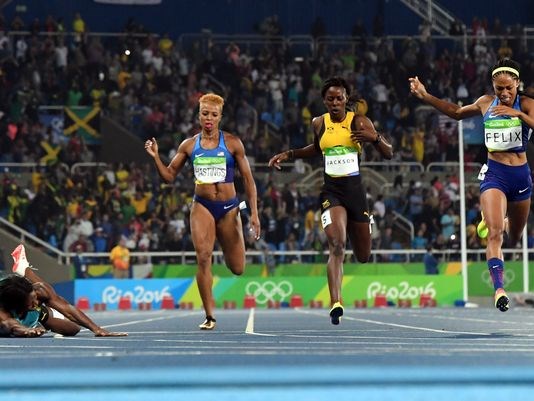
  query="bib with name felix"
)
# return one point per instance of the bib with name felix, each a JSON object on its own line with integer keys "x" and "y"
{"x": 505, "y": 133}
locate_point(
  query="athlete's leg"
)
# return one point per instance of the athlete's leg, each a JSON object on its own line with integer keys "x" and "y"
{"x": 360, "y": 239}
{"x": 494, "y": 204}
{"x": 517, "y": 219}
{"x": 335, "y": 227}
{"x": 203, "y": 237}
{"x": 229, "y": 232}
{"x": 61, "y": 326}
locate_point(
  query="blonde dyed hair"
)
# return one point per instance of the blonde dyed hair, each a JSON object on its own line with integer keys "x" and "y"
{"x": 212, "y": 98}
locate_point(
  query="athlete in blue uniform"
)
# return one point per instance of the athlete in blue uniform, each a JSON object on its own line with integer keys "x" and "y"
{"x": 214, "y": 155}
{"x": 339, "y": 136}
{"x": 506, "y": 184}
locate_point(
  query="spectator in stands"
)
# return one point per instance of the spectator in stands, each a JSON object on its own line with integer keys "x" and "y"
{"x": 100, "y": 240}
{"x": 506, "y": 185}
{"x": 214, "y": 155}
{"x": 80, "y": 263}
{"x": 340, "y": 135}
{"x": 430, "y": 261}
{"x": 120, "y": 259}
{"x": 78, "y": 27}
{"x": 29, "y": 306}
{"x": 83, "y": 243}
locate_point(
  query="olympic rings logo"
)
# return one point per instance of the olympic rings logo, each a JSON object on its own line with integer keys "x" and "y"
{"x": 508, "y": 277}
{"x": 269, "y": 290}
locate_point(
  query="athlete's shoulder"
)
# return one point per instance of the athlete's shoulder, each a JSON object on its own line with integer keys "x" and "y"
{"x": 233, "y": 143}
{"x": 485, "y": 100}
{"x": 318, "y": 120}
{"x": 230, "y": 138}
{"x": 42, "y": 290}
{"x": 526, "y": 101}
{"x": 188, "y": 143}
{"x": 362, "y": 122}
{"x": 227, "y": 134}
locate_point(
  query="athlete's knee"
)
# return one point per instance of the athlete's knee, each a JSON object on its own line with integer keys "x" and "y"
{"x": 237, "y": 267}
{"x": 513, "y": 239}
{"x": 337, "y": 247}
{"x": 69, "y": 331}
{"x": 496, "y": 234}
{"x": 74, "y": 331}
{"x": 363, "y": 257}
{"x": 204, "y": 258}
{"x": 237, "y": 270}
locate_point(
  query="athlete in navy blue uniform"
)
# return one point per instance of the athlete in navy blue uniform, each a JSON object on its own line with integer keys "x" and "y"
{"x": 214, "y": 156}
{"x": 506, "y": 184}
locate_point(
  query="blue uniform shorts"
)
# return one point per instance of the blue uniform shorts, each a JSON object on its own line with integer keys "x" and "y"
{"x": 217, "y": 208}
{"x": 514, "y": 181}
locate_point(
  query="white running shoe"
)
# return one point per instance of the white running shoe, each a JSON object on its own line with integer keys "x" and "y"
{"x": 20, "y": 262}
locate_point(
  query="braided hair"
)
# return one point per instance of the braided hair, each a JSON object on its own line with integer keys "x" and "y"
{"x": 14, "y": 292}
{"x": 335, "y": 81}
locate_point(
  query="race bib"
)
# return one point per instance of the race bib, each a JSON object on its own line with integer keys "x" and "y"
{"x": 503, "y": 134}
{"x": 341, "y": 161}
{"x": 209, "y": 170}
{"x": 482, "y": 172}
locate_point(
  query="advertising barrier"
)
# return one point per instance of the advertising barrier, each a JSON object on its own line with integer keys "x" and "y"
{"x": 444, "y": 289}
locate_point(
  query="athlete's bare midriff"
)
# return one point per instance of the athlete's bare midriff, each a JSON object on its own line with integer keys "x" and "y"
{"x": 216, "y": 192}
{"x": 509, "y": 158}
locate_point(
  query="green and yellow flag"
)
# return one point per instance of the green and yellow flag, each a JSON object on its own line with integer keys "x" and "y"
{"x": 83, "y": 121}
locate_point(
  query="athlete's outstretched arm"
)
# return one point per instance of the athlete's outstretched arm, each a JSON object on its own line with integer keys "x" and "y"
{"x": 450, "y": 109}
{"x": 49, "y": 297}
{"x": 11, "y": 327}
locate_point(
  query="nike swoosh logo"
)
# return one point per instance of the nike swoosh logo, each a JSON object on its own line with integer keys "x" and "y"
{"x": 199, "y": 154}
{"x": 227, "y": 206}
{"x": 523, "y": 190}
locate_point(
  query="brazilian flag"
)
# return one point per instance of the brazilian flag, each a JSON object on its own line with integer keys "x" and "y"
{"x": 84, "y": 122}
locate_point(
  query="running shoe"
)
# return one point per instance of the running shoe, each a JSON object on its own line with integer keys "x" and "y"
{"x": 209, "y": 324}
{"x": 20, "y": 262}
{"x": 336, "y": 312}
{"x": 502, "y": 302}
{"x": 482, "y": 228}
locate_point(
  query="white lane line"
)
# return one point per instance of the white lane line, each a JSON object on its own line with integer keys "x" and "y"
{"x": 154, "y": 319}
{"x": 404, "y": 326}
{"x": 250, "y": 326}
{"x": 466, "y": 319}
{"x": 250, "y": 322}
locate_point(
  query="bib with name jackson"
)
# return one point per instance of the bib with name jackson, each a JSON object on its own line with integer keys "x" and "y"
{"x": 341, "y": 161}
{"x": 503, "y": 134}
{"x": 339, "y": 151}
{"x": 209, "y": 169}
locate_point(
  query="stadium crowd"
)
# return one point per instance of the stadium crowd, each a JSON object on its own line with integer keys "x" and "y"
{"x": 151, "y": 84}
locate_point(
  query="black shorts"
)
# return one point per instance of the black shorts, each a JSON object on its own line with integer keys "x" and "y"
{"x": 349, "y": 193}
{"x": 44, "y": 313}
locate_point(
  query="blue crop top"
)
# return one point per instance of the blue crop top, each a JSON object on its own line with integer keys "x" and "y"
{"x": 212, "y": 166}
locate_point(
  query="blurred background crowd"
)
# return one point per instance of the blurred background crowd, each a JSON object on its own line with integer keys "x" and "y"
{"x": 150, "y": 82}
